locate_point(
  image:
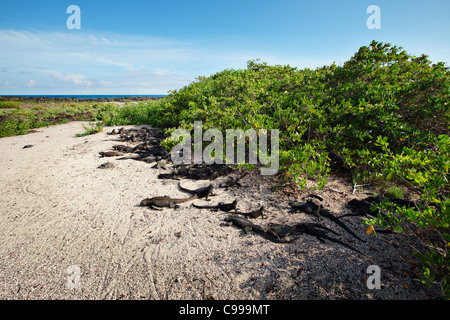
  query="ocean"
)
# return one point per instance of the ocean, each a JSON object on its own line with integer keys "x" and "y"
{"x": 90, "y": 97}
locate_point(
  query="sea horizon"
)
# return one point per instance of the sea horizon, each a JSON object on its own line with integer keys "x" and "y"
{"x": 84, "y": 96}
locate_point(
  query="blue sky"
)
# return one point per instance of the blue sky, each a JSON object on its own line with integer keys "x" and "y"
{"x": 151, "y": 47}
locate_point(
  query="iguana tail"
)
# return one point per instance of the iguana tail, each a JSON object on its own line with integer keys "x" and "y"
{"x": 187, "y": 199}
{"x": 340, "y": 223}
{"x": 340, "y": 242}
{"x": 317, "y": 225}
{"x": 184, "y": 189}
{"x": 204, "y": 207}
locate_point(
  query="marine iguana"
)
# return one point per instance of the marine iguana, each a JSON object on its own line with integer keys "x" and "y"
{"x": 231, "y": 181}
{"x": 164, "y": 202}
{"x": 110, "y": 154}
{"x": 160, "y": 164}
{"x": 145, "y": 157}
{"x": 313, "y": 229}
{"x": 252, "y": 214}
{"x": 310, "y": 208}
{"x": 280, "y": 230}
{"x": 106, "y": 165}
{"x": 167, "y": 176}
{"x": 221, "y": 206}
{"x": 362, "y": 207}
{"x": 203, "y": 192}
{"x": 248, "y": 226}
{"x": 317, "y": 201}
{"x": 312, "y": 205}
{"x": 123, "y": 148}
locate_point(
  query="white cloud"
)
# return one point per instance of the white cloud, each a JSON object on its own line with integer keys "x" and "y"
{"x": 116, "y": 63}
{"x": 106, "y": 83}
{"x": 68, "y": 78}
{"x": 91, "y": 61}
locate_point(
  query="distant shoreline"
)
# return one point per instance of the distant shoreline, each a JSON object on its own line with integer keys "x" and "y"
{"x": 81, "y": 97}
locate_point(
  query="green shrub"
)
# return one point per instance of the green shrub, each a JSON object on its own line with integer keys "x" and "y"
{"x": 134, "y": 113}
{"x": 91, "y": 128}
{"x": 383, "y": 113}
{"x": 395, "y": 192}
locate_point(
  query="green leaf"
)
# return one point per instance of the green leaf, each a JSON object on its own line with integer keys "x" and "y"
{"x": 389, "y": 176}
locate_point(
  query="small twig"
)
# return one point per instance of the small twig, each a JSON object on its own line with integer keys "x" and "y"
{"x": 211, "y": 280}
{"x": 335, "y": 190}
{"x": 359, "y": 185}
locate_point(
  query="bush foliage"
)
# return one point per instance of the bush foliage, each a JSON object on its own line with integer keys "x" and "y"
{"x": 384, "y": 112}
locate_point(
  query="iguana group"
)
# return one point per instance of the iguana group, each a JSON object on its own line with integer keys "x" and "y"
{"x": 278, "y": 233}
{"x": 313, "y": 229}
{"x": 313, "y": 207}
{"x": 249, "y": 226}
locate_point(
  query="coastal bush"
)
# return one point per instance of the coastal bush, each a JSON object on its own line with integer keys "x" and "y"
{"x": 384, "y": 112}
{"x": 135, "y": 113}
{"x": 380, "y": 93}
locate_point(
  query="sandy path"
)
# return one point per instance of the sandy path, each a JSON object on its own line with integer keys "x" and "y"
{"x": 58, "y": 210}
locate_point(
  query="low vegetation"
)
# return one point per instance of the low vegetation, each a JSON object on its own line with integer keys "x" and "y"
{"x": 18, "y": 117}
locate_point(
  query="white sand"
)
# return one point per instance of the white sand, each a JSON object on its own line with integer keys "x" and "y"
{"x": 58, "y": 210}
